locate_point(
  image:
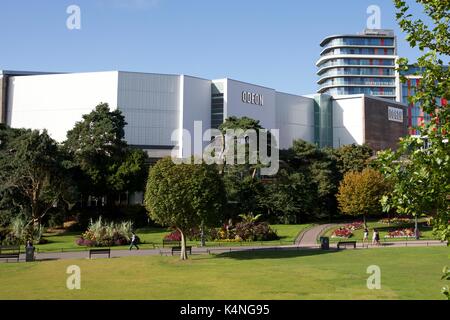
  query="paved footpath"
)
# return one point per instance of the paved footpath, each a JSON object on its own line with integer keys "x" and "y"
{"x": 307, "y": 240}
{"x": 309, "y": 237}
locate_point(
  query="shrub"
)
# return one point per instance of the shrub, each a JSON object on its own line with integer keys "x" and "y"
{"x": 249, "y": 231}
{"x": 19, "y": 232}
{"x": 103, "y": 234}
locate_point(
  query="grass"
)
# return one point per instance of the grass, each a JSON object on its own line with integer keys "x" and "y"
{"x": 426, "y": 231}
{"x": 406, "y": 273}
{"x": 150, "y": 236}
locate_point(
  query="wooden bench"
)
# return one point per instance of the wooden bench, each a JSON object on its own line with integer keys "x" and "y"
{"x": 99, "y": 251}
{"x": 171, "y": 243}
{"x": 178, "y": 249}
{"x": 346, "y": 243}
{"x": 10, "y": 252}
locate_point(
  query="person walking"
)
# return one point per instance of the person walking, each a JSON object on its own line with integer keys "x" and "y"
{"x": 134, "y": 241}
{"x": 374, "y": 237}
{"x": 366, "y": 237}
{"x": 377, "y": 238}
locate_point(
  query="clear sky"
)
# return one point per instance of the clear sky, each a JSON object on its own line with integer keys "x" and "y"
{"x": 270, "y": 43}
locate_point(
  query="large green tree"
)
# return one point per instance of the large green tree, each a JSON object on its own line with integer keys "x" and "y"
{"x": 290, "y": 198}
{"x": 33, "y": 179}
{"x": 243, "y": 187}
{"x": 318, "y": 168}
{"x": 106, "y": 166}
{"x": 424, "y": 163}
{"x": 184, "y": 196}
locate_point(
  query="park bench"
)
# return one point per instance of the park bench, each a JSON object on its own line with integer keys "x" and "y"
{"x": 178, "y": 249}
{"x": 99, "y": 251}
{"x": 10, "y": 252}
{"x": 346, "y": 244}
{"x": 171, "y": 243}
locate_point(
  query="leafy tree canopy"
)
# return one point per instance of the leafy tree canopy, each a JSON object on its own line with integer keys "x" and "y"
{"x": 184, "y": 196}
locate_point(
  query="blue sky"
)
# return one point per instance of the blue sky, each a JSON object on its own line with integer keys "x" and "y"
{"x": 271, "y": 43}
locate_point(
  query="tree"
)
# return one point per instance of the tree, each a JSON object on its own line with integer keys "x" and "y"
{"x": 425, "y": 161}
{"x": 352, "y": 158}
{"x": 33, "y": 179}
{"x": 290, "y": 198}
{"x": 243, "y": 188}
{"x": 360, "y": 193}
{"x": 102, "y": 158}
{"x": 241, "y": 126}
{"x": 184, "y": 196}
{"x": 319, "y": 172}
{"x": 413, "y": 186}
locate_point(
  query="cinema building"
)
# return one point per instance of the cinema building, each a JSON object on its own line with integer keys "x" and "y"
{"x": 156, "y": 105}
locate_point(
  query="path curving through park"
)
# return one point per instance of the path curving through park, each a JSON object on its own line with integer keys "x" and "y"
{"x": 309, "y": 237}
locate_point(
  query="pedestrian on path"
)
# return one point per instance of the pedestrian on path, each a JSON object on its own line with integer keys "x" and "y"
{"x": 374, "y": 237}
{"x": 366, "y": 237}
{"x": 134, "y": 241}
{"x": 377, "y": 237}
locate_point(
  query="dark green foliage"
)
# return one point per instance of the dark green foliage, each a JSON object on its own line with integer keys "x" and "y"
{"x": 290, "y": 198}
{"x": 33, "y": 178}
{"x": 101, "y": 160}
{"x": 184, "y": 196}
{"x": 316, "y": 175}
{"x": 352, "y": 158}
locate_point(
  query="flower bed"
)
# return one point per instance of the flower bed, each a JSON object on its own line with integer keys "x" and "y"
{"x": 342, "y": 232}
{"x": 395, "y": 221}
{"x": 355, "y": 225}
{"x": 242, "y": 231}
{"x": 402, "y": 233}
{"x": 101, "y": 234}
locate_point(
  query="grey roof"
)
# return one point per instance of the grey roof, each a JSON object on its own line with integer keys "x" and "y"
{"x": 368, "y": 33}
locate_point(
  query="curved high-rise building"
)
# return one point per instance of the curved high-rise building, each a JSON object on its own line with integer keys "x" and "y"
{"x": 359, "y": 64}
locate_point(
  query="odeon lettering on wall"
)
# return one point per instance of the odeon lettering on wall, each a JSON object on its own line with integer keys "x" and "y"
{"x": 395, "y": 114}
{"x": 252, "y": 98}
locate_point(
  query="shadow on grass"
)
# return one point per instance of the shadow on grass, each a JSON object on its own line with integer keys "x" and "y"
{"x": 284, "y": 253}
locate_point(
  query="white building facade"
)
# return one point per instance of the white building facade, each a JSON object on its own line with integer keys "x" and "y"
{"x": 157, "y": 107}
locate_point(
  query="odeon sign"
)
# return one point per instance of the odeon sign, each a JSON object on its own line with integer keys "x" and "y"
{"x": 252, "y": 98}
{"x": 395, "y": 114}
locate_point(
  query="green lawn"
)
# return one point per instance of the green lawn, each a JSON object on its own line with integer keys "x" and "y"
{"x": 150, "y": 236}
{"x": 406, "y": 273}
{"x": 427, "y": 232}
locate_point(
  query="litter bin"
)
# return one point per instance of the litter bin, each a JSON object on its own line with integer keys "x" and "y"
{"x": 325, "y": 243}
{"x": 29, "y": 254}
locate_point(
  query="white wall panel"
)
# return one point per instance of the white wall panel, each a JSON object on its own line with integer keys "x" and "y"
{"x": 348, "y": 121}
{"x": 151, "y": 105}
{"x": 57, "y": 102}
{"x": 196, "y": 106}
{"x": 294, "y": 118}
